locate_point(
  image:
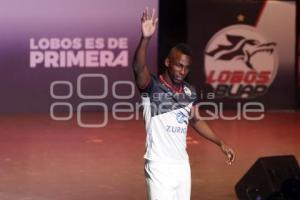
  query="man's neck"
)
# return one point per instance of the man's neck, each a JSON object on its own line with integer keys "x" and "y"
{"x": 166, "y": 78}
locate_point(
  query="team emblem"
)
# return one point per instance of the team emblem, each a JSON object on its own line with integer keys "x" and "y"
{"x": 240, "y": 62}
{"x": 187, "y": 91}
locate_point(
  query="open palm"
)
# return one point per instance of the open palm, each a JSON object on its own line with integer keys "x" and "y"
{"x": 148, "y": 23}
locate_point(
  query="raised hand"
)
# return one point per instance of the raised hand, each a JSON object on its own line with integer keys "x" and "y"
{"x": 148, "y": 23}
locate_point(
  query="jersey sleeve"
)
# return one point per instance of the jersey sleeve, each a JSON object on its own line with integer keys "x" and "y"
{"x": 195, "y": 97}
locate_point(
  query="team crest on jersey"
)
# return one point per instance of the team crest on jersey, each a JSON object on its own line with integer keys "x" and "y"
{"x": 240, "y": 62}
{"x": 187, "y": 91}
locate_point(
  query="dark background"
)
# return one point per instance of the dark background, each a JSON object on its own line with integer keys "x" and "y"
{"x": 173, "y": 29}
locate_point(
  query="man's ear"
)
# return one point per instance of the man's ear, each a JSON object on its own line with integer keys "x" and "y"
{"x": 167, "y": 62}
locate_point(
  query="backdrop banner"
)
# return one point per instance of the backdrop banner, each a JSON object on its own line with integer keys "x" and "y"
{"x": 244, "y": 52}
{"x": 69, "y": 55}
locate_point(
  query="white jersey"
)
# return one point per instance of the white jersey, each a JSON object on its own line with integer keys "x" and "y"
{"x": 166, "y": 114}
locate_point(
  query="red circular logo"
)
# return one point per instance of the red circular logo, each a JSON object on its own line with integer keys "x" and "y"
{"x": 240, "y": 62}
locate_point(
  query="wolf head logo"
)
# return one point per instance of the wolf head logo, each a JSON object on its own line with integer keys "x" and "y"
{"x": 240, "y": 48}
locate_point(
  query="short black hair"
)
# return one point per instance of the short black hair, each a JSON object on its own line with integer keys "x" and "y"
{"x": 184, "y": 48}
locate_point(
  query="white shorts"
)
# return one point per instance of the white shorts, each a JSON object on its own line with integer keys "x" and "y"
{"x": 168, "y": 181}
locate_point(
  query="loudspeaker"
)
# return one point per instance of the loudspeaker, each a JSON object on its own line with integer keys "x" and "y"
{"x": 276, "y": 177}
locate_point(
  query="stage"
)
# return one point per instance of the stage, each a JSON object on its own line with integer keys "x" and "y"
{"x": 43, "y": 159}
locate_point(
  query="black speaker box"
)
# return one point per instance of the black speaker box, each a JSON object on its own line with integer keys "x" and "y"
{"x": 271, "y": 178}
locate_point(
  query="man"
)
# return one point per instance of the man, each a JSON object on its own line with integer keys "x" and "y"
{"x": 169, "y": 104}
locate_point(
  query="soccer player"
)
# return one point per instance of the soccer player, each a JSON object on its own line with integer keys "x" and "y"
{"x": 169, "y": 105}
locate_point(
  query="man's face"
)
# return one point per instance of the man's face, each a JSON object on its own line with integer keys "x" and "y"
{"x": 178, "y": 65}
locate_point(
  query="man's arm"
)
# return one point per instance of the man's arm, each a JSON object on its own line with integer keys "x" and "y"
{"x": 141, "y": 71}
{"x": 204, "y": 130}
